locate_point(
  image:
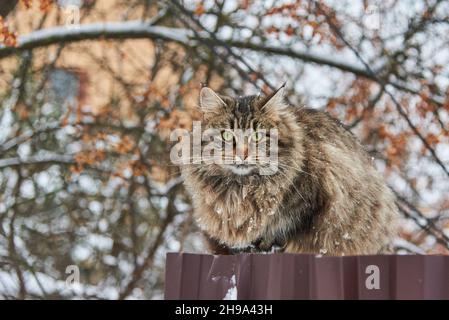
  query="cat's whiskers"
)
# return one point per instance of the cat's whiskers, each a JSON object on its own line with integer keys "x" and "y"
{"x": 285, "y": 166}
{"x": 292, "y": 184}
{"x": 291, "y": 181}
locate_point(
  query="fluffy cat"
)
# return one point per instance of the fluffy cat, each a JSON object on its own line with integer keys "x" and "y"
{"x": 325, "y": 197}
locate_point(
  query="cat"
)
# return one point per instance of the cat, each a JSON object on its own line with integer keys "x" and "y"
{"x": 325, "y": 197}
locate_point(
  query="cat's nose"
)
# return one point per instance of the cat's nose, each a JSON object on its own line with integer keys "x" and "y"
{"x": 242, "y": 154}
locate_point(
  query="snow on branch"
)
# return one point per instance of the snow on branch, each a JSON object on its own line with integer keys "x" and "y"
{"x": 108, "y": 30}
{"x": 139, "y": 29}
{"x": 47, "y": 159}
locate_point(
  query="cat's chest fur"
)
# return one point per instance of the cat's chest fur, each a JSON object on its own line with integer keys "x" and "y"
{"x": 238, "y": 214}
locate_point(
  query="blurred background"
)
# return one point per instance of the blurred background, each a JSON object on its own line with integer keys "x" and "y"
{"x": 90, "y": 91}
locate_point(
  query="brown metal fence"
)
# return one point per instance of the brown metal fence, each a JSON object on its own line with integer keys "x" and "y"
{"x": 299, "y": 276}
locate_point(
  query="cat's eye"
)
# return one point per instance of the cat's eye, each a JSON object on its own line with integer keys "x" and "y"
{"x": 257, "y": 136}
{"x": 227, "y": 135}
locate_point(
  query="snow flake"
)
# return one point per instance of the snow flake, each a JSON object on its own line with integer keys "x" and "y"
{"x": 323, "y": 251}
{"x": 232, "y": 291}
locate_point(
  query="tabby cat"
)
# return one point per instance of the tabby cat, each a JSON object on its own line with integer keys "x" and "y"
{"x": 325, "y": 197}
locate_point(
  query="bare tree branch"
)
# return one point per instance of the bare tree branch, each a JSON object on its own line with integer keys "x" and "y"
{"x": 47, "y": 159}
{"x": 138, "y": 30}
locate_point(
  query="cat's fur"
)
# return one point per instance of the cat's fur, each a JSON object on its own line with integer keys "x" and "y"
{"x": 326, "y": 197}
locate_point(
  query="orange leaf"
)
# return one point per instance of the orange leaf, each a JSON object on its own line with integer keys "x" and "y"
{"x": 200, "y": 9}
{"x": 290, "y": 30}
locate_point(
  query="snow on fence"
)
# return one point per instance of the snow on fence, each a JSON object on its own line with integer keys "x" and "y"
{"x": 299, "y": 276}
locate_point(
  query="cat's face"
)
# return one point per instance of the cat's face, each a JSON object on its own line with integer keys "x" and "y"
{"x": 254, "y": 133}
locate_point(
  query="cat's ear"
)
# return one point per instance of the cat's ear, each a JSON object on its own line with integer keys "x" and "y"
{"x": 210, "y": 102}
{"x": 275, "y": 101}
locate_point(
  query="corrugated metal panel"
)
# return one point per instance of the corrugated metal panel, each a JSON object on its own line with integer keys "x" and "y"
{"x": 298, "y": 276}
